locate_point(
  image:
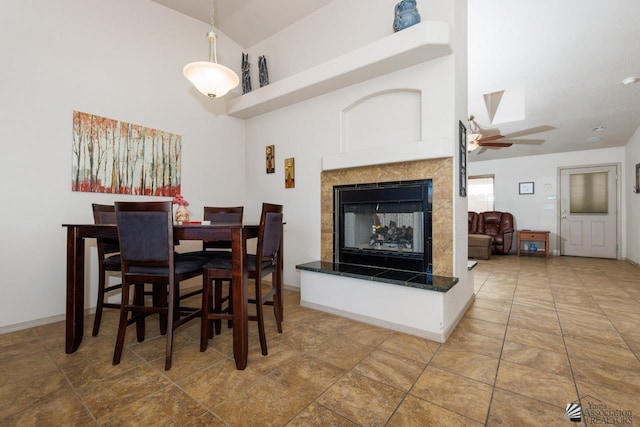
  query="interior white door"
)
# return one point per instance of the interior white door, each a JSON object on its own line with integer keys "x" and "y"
{"x": 589, "y": 211}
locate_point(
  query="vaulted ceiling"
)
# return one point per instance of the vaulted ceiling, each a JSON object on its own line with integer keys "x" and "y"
{"x": 545, "y": 73}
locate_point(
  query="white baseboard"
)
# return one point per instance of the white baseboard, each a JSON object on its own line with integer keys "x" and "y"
{"x": 39, "y": 322}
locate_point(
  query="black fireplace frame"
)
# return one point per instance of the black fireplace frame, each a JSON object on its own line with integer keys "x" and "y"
{"x": 384, "y": 192}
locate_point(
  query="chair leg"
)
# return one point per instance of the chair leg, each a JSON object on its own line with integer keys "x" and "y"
{"x": 160, "y": 300}
{"x": 138, "y": 300}
{"x": 204, "y": 315}
{"x": 122, "y": 325}
{"x": 100, "y": 305}
{"x": 217, "y": 307}
{"x": 260, "y": 317}
{"x": 277, "y": 302}
{"x": 170, "y": 325}
{"x": 230, "y": 305}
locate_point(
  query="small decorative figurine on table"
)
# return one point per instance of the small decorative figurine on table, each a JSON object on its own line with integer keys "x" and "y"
{"x": 406, "y": 15}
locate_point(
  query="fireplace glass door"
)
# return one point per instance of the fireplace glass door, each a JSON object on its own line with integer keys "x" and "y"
{"x": 385, "y": 224}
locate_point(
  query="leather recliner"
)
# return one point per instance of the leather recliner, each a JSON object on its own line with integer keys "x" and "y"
{"x": 498, "y": 225}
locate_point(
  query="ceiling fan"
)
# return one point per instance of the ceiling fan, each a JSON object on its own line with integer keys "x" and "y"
{"x": 484, "y": 137}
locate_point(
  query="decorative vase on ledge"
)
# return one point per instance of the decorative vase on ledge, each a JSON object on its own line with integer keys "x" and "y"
{"x": 406, "y": 15}
{"x": 182, "y": 214}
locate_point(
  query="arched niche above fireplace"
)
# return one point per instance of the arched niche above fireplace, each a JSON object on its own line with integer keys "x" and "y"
{"x": 382, "y": 120}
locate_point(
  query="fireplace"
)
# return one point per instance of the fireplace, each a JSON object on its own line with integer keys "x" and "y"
{"x": 384, "y": 224}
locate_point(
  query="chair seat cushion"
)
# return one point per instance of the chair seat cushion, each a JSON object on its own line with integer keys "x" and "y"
{"x": 222, "y": 261}
{"x": 182, "y": 265}
{"x": 113, "y": 262}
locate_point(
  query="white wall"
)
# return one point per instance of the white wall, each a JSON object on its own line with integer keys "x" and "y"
{"x": 119, "y": 59}
{"x": 540, "y": 210}
{"x": 632, "y": 234}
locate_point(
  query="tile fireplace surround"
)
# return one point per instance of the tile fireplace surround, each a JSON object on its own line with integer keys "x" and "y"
{"x": 439, "y": 170}
{"x": 410, "y": 309}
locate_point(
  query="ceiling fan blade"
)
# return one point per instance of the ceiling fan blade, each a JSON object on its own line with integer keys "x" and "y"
{"x": 481, "y": 143}
{"x": 527, "y": 141}
{"x": 492, "y": 138}
{"x": 530, "y": 131}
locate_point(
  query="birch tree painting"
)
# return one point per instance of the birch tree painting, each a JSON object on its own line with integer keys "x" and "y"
{"x": 110, "y": 156}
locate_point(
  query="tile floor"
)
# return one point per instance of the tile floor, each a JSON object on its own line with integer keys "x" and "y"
{"x": 540, "y": 334}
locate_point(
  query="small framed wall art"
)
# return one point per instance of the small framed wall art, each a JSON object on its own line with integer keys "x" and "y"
{"x": 270, "y": 155}
{"x": 636, "y": 188}
{"x": 526, "y": 188}
{"x": 289, "y": 173}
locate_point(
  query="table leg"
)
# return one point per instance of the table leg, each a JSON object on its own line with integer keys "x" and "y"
{"x": 75, "y": 290}
{"x": 240, "y": 302}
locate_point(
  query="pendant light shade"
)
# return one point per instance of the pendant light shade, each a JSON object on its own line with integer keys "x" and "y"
{"x": 209, "y": 77}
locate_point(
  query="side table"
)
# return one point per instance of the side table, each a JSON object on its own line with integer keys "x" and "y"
{"x": 538, "y": 237}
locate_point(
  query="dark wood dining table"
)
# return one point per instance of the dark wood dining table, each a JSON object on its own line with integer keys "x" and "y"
{"x": 237, "y": 233}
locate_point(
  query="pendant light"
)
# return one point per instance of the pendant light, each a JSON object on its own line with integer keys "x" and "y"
{"x": 209, "y": 77}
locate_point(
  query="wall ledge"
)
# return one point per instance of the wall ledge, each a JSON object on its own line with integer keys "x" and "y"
{"x": 411, "y": 46}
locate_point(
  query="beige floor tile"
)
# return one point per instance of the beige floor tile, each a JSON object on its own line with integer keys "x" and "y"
{"x": 471, "y": 365}
{"x": 116, "y": 391}
{"x": 187, "y": 361}
{"x": 409, "y": 346}
{"x": 414, "y": 412}
{"x": 454, "y": 392}
{"x": 494, "y": 316}
{"x": 588, "y": 335}
{"x": 534, "y": 338}
{"x": 307, "y": 374}
{"x": 511, "y": 409}
{"x": 537, "y": 384}
{"x": 316, "y": 415}
{"x": 216, "y": 383}
{"x": 391, "y": 369}
{"x": 625, "y": 379}
{"x": 618, "y": 356}
{"x": 519, "y": 310}
{"x": 340, "y": 352}
{"x": 483, "y": 327}
{"x": 169, "y": 406}
{"x": 63, "y": 408}
{"x": 462, "y": 340}
{"x": 363, "y": 335}
{"x": 502, "y": 304}
{"x": 533, "y": 357}
{"x": 361, "y": 399}
{"x": 31, "y": 390}
{"x": 264, "y": 403}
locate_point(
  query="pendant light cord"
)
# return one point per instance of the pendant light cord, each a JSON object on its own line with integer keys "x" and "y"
{"x": 211, "y": 35}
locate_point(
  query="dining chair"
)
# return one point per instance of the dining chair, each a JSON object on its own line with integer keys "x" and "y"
{"x": 265, "y": 262}
{"x": 145, "y": 232}
{"x": 210, "y": 249}
{"x": 108, "y": 261}
{"x": 219, "y": 214}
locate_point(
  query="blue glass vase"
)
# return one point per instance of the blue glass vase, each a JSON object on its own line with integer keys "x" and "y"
{"x": 406, "y": 15}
